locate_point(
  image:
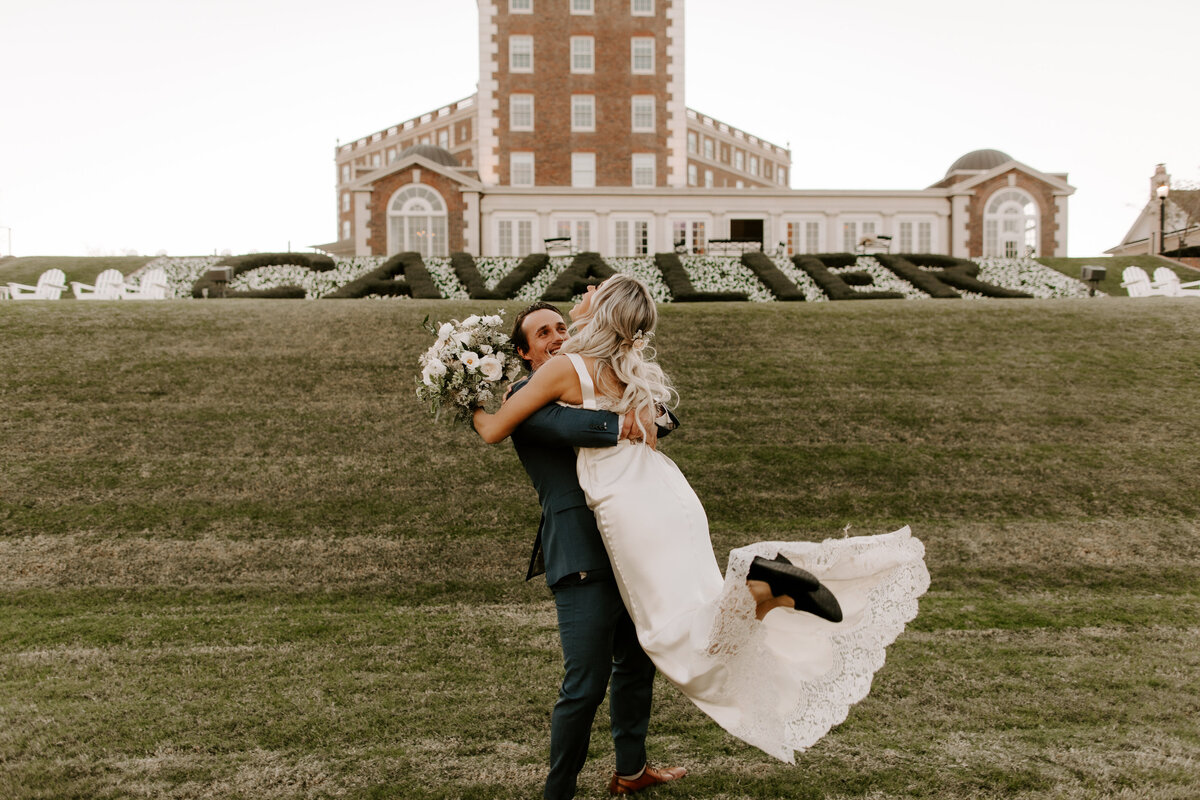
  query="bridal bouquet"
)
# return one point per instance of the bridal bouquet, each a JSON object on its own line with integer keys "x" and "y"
{"x": 466, "y": 366}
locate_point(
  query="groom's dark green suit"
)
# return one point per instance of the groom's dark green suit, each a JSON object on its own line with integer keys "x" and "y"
{"x": 599, "y": 641}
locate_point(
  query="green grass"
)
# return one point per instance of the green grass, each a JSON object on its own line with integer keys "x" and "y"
{"x": 237, "y": 560}
{"x": 77, "y": 268}
{"x": 1114, "y": 264}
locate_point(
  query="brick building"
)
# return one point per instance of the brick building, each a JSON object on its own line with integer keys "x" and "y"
{"x": 578, "y": 137}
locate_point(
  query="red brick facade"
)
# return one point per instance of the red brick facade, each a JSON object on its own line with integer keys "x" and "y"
{"x": 1043, "y": 195}
{"x": 381, "y": 196}
{"x": 552, "y": 83}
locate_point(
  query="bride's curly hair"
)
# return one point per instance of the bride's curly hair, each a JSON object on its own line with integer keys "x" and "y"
{"x": 616, "y": 332}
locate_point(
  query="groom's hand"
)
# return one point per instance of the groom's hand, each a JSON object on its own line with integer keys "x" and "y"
{"x": 629, "y": 429}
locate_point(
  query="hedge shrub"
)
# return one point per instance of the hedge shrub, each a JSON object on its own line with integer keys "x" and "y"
{"x": 771, "y": 276}
{"x": 587, "y": 269}
{"x": 468, "y": 274}
{"x": 680, "y": 285}
{"x": 318, "y": 262}
{"x": 525, "y": 271}
{"x": 834, "y": 287}
{"x": 949, "y": 274}
{"x": 417, "y": 282}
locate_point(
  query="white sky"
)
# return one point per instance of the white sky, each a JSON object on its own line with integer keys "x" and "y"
{"x": 192, "y": 126}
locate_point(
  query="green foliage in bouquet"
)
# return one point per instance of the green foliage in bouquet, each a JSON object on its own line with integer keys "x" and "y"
{"x": 587, "y": 269}
{"x": 765, "y": 270}
{"x": 950, "y": 274}
{"x": 833, "y": 285}
{"x": 467, "y": 366}
{"x": 680, "y": 285}
{"x": 416, "y": 280}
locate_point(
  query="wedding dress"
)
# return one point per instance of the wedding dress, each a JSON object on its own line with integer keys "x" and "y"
{"x": 779, "y": 684}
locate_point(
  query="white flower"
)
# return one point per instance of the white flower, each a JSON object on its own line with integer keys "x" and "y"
{"x": 462, "y": 338}
{"x": 494, "y": 320}
{"x": 445, "y": 331}
{"x": 486, "y": 349}
{"x": 471, "y": 321}
{"x": 490, "y": 367}
{"x": 434, "y": 369}
{"x": 469, "y": 360}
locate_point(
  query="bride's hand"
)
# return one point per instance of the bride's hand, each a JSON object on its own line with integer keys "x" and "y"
{"x": 630, "y": 431}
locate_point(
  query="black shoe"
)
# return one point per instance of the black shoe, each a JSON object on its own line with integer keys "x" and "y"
{"x": 782, "y": 576}
{"x": 803, "y": 587}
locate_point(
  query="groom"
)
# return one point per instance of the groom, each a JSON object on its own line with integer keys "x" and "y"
{"x": 599, "y": 643}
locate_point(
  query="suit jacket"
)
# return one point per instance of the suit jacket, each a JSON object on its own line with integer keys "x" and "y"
{"x": 568, "y": 540}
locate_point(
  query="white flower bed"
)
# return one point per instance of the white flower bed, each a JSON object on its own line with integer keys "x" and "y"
{"x": 644, "y": 269}
{"x": 884, "y": 279}
{"x": 493, "y": 268}
{"x": 445, "y": 279}
{"x": 315, "y": 284}
{"x": 181, "y": 272}
{"x": 541, "y": 282}
{"x": 1027, "y": 275}
{"x": 803, "y": 281}
{"x": 724, "y": 274}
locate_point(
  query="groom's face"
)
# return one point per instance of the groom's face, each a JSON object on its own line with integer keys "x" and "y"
{"x": 545, "y": 331}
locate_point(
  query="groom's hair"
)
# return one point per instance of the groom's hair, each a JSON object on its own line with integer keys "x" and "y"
{"x": 519, "y": 340}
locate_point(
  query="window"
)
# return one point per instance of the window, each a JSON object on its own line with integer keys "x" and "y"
{"x": 708, "y": 147}
{"x": 514, "y": 237}
{"x": 643, "y": 112}
{"x": 417, "y": 221}
{"x": 693, "y": 175}
{"x": 346, "y": 229}
{"x": 690, "y": 236}
{"x": 781, "y": 176}
{"x": 643, "y": 170}
{"x": 1010, "y": 225}
{"x": 375, "y": 159}
{"x": 579, "y": 231}
{"x": 708, "y": 179}
{"x": 520, "y": 169}
{"x": 520, "y": 54}
{"x": 583, "y": 54}
{"x": 520, "y": 6}
{"x": 754, "y": 165}
{"x": 642, "y": 50}
{"x": 583, "y": 112}
{"x": 345, "y": 201}
{"x": 631, "y": 237}
{"x": 583, "y": 169}
{"x": 739, "y": 160}
{"x": 444, "y": 138}
{"x": 520, "y": 112}
{"x": 854, "y": 231}
{"x": 642, "y": 8}
{"x": 582, "y": 7}
{"x": 692, "y": 142}
{"x": 916, "y": 237}
{"x": 803, "y": 237}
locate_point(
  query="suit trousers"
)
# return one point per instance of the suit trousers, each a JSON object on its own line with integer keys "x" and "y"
{"x": 600, "y": 648}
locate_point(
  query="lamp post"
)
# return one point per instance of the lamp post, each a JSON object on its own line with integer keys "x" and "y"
{"x": 1162, "y": 192}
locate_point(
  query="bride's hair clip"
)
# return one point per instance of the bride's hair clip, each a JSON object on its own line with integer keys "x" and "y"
{"x": 640, "y": 340}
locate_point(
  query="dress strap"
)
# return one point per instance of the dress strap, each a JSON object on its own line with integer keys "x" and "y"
{"x": 585, "y": 381}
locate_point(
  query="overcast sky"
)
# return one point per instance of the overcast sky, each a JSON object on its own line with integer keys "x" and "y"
{"x": 190, "y": 126}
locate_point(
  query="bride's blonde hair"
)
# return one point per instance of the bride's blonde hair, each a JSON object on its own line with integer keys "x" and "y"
{"x": 616, "y": 332}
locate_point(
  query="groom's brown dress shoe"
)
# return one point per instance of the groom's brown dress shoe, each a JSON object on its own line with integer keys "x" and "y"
{"x": 649, "y": 777}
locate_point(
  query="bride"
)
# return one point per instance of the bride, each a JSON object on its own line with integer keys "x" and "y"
{"x": 779, "y": 649}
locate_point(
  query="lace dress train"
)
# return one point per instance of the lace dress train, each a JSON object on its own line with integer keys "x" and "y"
{"x": 779, "y": 684}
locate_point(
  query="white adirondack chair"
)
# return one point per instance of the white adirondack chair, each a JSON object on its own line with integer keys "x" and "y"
{"x": 1137, "y": 283}
{"x": 110, "y": 285}
{"x": 151, "y": 285}
{"x": 50, "y": 286}
{"x": 1166, "y": 278}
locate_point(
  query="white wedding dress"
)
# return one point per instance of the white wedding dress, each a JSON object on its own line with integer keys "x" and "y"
{"x": 779, "y": 684}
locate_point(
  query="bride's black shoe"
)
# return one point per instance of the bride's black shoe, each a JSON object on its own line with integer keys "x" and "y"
{"x": 802, "y": 586}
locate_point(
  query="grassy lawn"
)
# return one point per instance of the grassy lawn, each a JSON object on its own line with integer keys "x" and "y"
{"x": 238, "y": 561}
{"x": 1114, "y": 264}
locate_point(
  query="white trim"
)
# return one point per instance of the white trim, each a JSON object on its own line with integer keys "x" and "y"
{"x": 588, "y": 11}
{"x": 513, "y": 9}
{"x": 676, "y": 111}
{"x": 583, "y": 165}
{"x": 487, "y": 111}
{"x": 633, "y": 9}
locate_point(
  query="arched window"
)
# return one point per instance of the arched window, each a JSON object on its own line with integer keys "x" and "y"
{"x": 1010, "y": 225}
{"x": 417, "y": 221}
